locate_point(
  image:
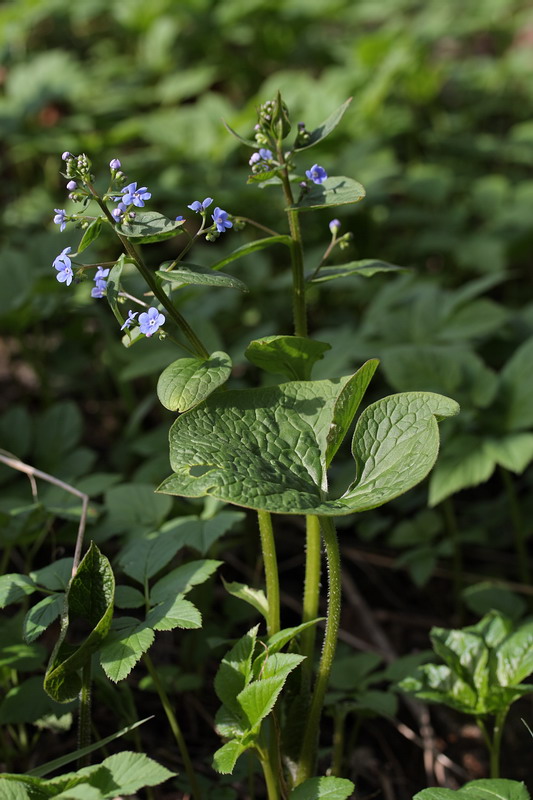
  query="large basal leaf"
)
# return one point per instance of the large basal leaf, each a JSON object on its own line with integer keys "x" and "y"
{"x": 335, "y": 191}
{"x": 328, "y": 788}
{"x": 89, "y": 599}
{"x": 290, "y": 356}
{"x": 149, "y": 226}
{"x": 193, "y": 274}
{"x": 252, "y": 247}
{"x": 325, "y": 128}
{"x": 188, "y": 381}
{"x": 365, "y": 269}
{"x": 269, "y": 448}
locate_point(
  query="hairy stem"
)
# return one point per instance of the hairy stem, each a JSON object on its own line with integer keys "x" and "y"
{"x": 297, "y": 256}
{"x": 268, "y": 547}
{"x": 174, "y": 726}
{"x": 308, "y": 751}
{"x": 311, "y": 597}
{"x": 84, "y": 722}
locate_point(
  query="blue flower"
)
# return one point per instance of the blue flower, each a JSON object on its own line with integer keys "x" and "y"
{"x": 150, "y": 321}
{"x": 63, "y": 265}
{"x": 60, "y": 218}
{"x": 71, "y": 185}
{"x": 99, "y": 290}
{"x": 265, "y": 154}
{"x": 220, "y": 218}
{"x": 134, "y": 195}
{"x": 316, "y": 174}
{"x": 200, "y": 207}
{"x": 114, "y": 163}
{"x": 66, "y": 155}
{"x": 334, "y": 226}
{"x": 130, "y": 320}
{"x": 118, "y": 212}
{"x": 180, "y": 218}
{"x": 100, "y": 274}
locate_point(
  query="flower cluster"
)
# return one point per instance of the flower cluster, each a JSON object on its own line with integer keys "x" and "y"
{"x": 259, "y": 161}
{"x": 63, "y": 265}
{"x": 100, "y": 284}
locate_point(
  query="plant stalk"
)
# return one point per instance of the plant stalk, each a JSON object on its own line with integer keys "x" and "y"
{"x": 297, "y": 256}
{"x": 311, "y": 597}
{"x": 174, "y": 726}
{"x": 270, "y": 776}
{"x": 308, "y": 751}
{"x": 268, "y": 547}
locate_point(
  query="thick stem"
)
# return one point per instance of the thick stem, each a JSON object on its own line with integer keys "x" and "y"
{"x": 174, "y": 726}
{"x": 307, "y": 758}
{"x": 84, "y": 722}
{"x": 270, "y": 776}
{"x": 268, "y": 547}
{"x": 518, "y": 527}
{"x": 311, "y": 597}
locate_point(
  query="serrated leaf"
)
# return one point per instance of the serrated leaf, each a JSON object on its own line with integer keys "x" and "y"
{"x": 225, "y": 758}
{"x": 325, "y": 128}
{"x": 328, "y": 788}
{"x": 290, "y": 356}
{"x": 182, "y": 579}
{"x": 126, "y": 773}
{"x": 199, "y": 533}
{"x": 135, "y": 505}
{"x": 10, "y": 790}
{"x": 195, "y": 275}
{"x": 188, "y": 381}
{"x": 41, "y": 615}
{"x": 364, "y": 269}
{"x": 252, "y": 247}
{"x": 142, "y": 558}
{"x": 283, "y": 637}
{"x": 89, "y": 599}
{"x": 276, "y": 665}
{"x": 14, "y": 587}
{"x": 55, "y": 576}
{"x": 483, "y": 789}
{"x": 174, "y": 613}
{"x": 258, "y": 699}
{"x": 335, "y": 191}
{"x": 267, "y": 448}
{"x": 126, "y": 643}
{"x": 92, "y": 232}
{"x": 149, "y": 226}
{"x": 235, "y": 670}
{"x": 254, "y": 597}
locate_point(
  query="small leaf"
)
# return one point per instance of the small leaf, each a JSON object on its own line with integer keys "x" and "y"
{"x": 174, "y": 613}
{"x": 252, "y": 247}
{"x": 92, "y": 232}
{"x": 182, "y": 579}
{"x": 14, "y": 587}
{"x": 128, "y": 597}
{"x": 290, "y": 356}
{"x": 225, "y": 758}
{"x": 127, "y": 641}
{"x": 365, "y": 269}
{"x": 255, "y": 597}
{"x": 513, "y": 451}
{"x": 323, "y": 789}
{"x": 195, "y": 275}
{"x": 188, "y": 381}
{"x": 142, "y": 558}
{"x": 56, "y": 576}
{"x": 325, "y": 128}
{"x": 89, "y": 599}
{"x": 235, "y": 671}
{"x": 41, "y": 615}
{"x": 335, "y": 191}
{"x": 283, "y": 637}
{"x": 266, "y": 175}
{"x": 125, "y": 773}
{"x": 258, "y": 699}
{"x": 149, "y": 226}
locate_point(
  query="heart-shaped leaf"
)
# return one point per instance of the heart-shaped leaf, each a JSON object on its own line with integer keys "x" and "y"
{"x": 269, "y": 448}
{"x": 193, "y": 274}
{"x": 291, "y": 356}
{"x": 149, "y": 226}
{"x": 335, "y": 191}
{"x": 188, "y": 381}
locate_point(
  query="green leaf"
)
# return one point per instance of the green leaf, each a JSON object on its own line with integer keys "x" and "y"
{"x": 235, "y": 671}
{"x": 41, "y": 615}
{"x": 128, "y": 597}
{"x": 182, "y": 579}
{"x": 89, "y": 599}
{"x": 195, "y": 275}
{"x": 513, "y": 452}
{"x": 56, "y": 576}
{"x": 126, "y": 773}
{"x": 225, "y": 758}
{"x": 484, "y": 596}
{"x": 188, "y": 381}
{"x": 323, "y": 789}
{"x": 335, "y": 191}
{"x": 199, "y": 533}
{"x": 9, "y": 790}
{"x": 242, "y": 140}
{"x": 28, "y": 702}
{"x": 283, "y": 637}
{"x": 254, "y": 597}
{"x": 127, "y": 641}
{"x": 149, "y": 226}
{"x": 258, "y": 699}
{"x": 290, "y": 356}
{"x": 135, "y": 505}
{"x": 364, "y": 269}
{"x": 466, "y": 462}
{"x": 275, "y": 665}
{"x": 268, "y": 448}
{"x": 174, "y": 613}
{"x": 483, "y": 789}
{"x": 142, "y": 558}
{"x": 113, "y": 288}
{"x": 325, "y": 128}
{"x": 266, "y": 175}
{"x": 92, "y": 232}
{"x": 517, "y": 387}
{"x": 14, "y": 587}
{"x": 252, "y": 247}
{"x": 515, "y": 656}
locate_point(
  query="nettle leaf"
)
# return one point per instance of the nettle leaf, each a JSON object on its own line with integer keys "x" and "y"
{"x": 92, "y": 232}
{"x": 325, "y": 128}
{"x": 182, "y": 579}
{"x": 225, "y": 757}
{"x": 126, "y": 643}
{"x": 188, "y": 381}
{"x": 195, "y": 275}
{"x": 252, "y": 247}
{"x": 364, "y": 269}
{"x": 149, "y": 226}
{"x": 89, "y": 599}
{"x": 335, "y": 191}
{"x": 291, "y": 356}
{"x": 41, "y": 615}
{"x": 328, "y": 788}
{"x": 174, "y": 613}
{"x": 254, "y": 597}
{"x": 14, "y": 587}
{"x": 235, "y": 671}
{"x": 269, "y": 448}
{"x": 483, "y": 789}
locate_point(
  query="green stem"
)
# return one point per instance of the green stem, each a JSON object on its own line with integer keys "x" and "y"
{"x": 497, "y": 733}
{"x": 307, "y": 758}
{"x": 297, "y": 256}
{"x": 270, "y": 776}
{"x": 518, "y": 527}
{"x": 453, "y": 532}
{"x": 175, "y": 728}
{"x": 268, "y": 547}
{"x": 84, "y": 722}
{"x": 338, "y": 742}
{"x": 311, "y": 597}
{"x": 165, "y": 301}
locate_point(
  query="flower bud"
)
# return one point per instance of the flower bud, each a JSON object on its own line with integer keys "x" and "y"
{"x": 72, "y": 185}
{"x": 281, "y": 126}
